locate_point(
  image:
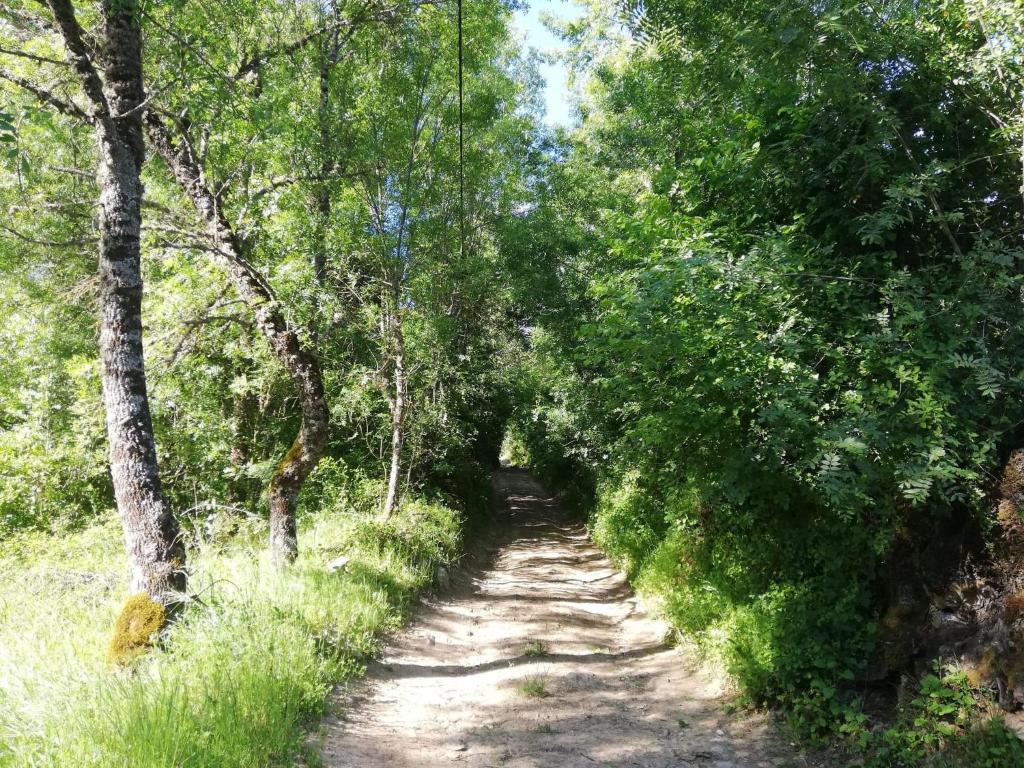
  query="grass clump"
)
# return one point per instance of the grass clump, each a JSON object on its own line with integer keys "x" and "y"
{"x": 533, "y": 687}
{"x": 536, "y": 649}
{"x": 240, "y": 674}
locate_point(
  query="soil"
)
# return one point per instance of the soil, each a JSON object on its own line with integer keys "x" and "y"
{"x": 540, "y": 656}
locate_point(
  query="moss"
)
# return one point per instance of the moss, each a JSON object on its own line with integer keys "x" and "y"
{"x": 140, "y": 619}
{"x": 293, "y": 457}
{"x": 981, "y": 672}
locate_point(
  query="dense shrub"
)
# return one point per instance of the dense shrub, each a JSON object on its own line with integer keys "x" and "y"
{"x": 789, "y": 348}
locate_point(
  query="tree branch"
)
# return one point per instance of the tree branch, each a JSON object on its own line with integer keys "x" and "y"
{"x": 74, "y": 40}
{"x": 276, "y": 184}
{"x": 256, "y": 61}
{"x": 46, "y": 96}
{"x": 50, "y": 243}
{"x": 26, "y": 20}
{"x": 363, "y": 16}
{"x": 32, "y": 57}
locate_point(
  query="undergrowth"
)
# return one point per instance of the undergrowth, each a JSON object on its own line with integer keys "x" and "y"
{"x": 790, "y": 619}
{"x": 248, "y": 665}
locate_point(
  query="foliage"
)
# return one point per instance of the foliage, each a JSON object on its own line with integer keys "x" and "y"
{"x": 276, "y": 142}
{"x": 759, "y": 315}
{"x": 779, "y": 327}
{"x": 319, "y": 127}
{"x": 940, "y": 727}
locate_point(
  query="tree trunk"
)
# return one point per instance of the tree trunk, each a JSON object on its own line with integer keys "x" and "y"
{"x": 322, "y": 197}
{"x": 300, "y": 362}
{"x": 243, "y": 418}
{"x": 397, "y": 418}
{"x": 155, "y": 552}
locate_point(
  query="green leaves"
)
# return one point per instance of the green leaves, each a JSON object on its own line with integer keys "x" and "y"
{"x": 7, "y": 131}
{"x": 794, "y": 239}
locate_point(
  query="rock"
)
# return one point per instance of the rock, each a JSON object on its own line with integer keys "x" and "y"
{"x": 338, "y": 564}
{"x": 442, "y": 577}
{"x": 1015, "y": 722}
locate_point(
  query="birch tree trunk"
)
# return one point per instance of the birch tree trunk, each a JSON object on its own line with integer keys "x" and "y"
{"x": 397, "y": 417}
{"x": 155, "y": 553}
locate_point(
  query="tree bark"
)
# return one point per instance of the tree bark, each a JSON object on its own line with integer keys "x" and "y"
{"x": 298, "y": 359}
{"x": 243, "y": 419}
{"x": 322, "y": 201}
{"x": 397, "y": 417}
{"x": 155, "y": 552}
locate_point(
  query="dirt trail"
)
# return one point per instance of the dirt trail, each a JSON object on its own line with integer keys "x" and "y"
{"x": 454, "y": 688}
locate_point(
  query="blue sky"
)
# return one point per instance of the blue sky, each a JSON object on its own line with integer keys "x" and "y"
{"x": 535, "y": 35}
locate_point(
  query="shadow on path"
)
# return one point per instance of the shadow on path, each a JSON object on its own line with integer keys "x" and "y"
{"x": 541, "y": 657}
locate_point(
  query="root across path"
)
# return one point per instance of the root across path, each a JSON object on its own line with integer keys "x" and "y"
{"x": 541, "y": 657}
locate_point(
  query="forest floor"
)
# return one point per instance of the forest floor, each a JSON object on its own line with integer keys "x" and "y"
{"x": 539, "y": 655}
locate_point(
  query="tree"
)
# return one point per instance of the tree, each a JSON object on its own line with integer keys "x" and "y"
{"x": 110, "y": 77}
{"x": 296, "y": 355}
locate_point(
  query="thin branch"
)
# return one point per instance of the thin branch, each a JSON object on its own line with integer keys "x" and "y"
{"x": 78, "y": 49}
{"x": 184, "y": 43}
{"x": 91, "y": 175}
{"x": 352, "y": 24}
{"x": 197, "y": 241}
{"x": 256, "y": 61}
{"x": 26, "y": 20}
{"x": 50, "y": 243}
{"x": 940, "y": 214}
{"x": 46, "y": 96}
{"x": 32, "y": 57}
{"x": 277, "y": 184}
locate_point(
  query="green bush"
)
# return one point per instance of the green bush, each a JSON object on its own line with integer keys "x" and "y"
{"x": 943, "y": 727}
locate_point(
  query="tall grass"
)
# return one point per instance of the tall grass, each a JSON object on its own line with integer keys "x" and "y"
{"x": 249, "y": 664}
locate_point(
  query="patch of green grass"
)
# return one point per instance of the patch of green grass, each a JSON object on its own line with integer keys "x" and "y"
{"x": 536, "y": 649}
{"x": 986, "y": 745}
{"x": 534, "y": 687}
{"x": 246, "y": 668}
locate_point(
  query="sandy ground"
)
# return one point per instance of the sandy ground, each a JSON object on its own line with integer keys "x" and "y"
{"x": 541, "y": 657}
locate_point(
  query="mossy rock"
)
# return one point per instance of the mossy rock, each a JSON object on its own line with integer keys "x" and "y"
{"x": 140, "y": 621}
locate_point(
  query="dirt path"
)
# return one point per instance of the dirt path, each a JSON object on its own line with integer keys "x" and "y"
{"x": 541, "y": 658}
